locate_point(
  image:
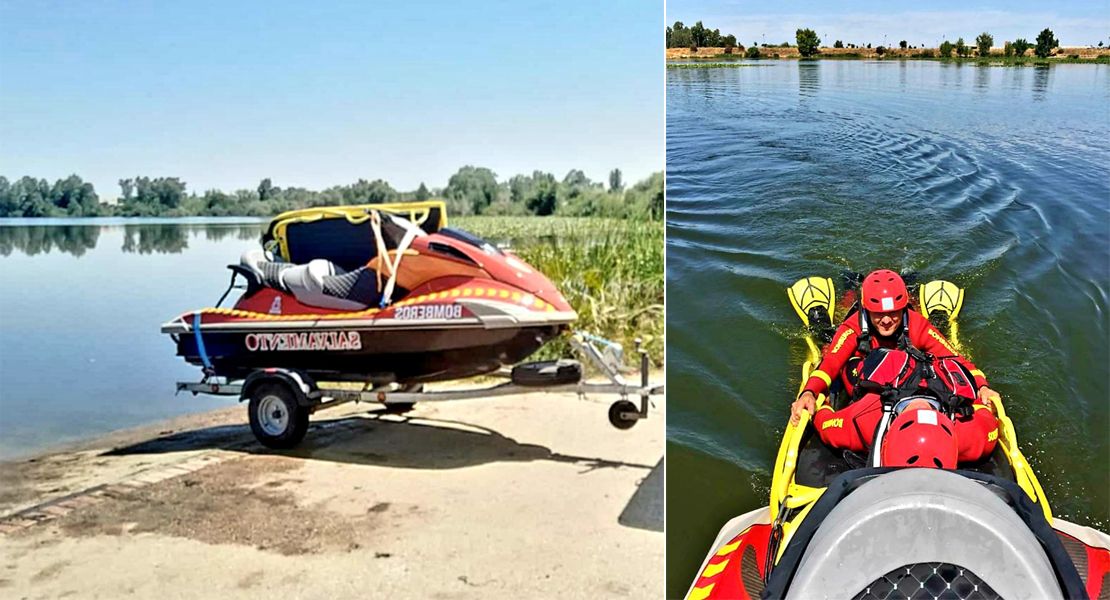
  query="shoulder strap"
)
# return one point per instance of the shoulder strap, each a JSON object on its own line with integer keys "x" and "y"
{"x": 863, "y": 338}
{"x": 903, "y": 342}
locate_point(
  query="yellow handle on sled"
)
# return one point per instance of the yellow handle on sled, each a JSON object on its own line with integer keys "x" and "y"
{"x": 1023, "y": 473}
{"x": 786, "y": 462}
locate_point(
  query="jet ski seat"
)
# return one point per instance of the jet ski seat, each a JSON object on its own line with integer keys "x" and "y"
{"x": 916, "y": 517}
{"x": 318, "y": 283}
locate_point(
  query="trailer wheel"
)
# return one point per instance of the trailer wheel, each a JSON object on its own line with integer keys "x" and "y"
{"x": 616, "y": 417}
{"x": 276, "y": 419}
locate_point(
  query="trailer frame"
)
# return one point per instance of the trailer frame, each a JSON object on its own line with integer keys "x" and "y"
{"x": 280, "y": 419}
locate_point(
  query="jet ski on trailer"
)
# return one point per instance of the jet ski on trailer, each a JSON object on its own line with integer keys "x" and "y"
{"x": 452, "y": 305}
{"x": 842, "y": 528}
{"x": 446, "y": 305}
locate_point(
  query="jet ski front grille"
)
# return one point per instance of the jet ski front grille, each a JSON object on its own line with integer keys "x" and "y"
{"x": 928, "y": 581}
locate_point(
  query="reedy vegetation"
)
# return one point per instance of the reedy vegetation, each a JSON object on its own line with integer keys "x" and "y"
{"x": 610, "y": 270}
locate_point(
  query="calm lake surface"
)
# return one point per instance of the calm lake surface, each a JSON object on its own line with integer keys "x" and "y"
{"x": 996, "y": 178}
{"x": 81, "y": 303}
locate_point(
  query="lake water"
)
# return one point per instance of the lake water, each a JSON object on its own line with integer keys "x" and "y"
{"x": 996, "y": 178}
{"x": 81, "y": 302}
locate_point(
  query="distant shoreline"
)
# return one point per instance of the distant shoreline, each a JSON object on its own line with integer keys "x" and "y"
{"x": 1064, "y": 55}
{"x": 194, "y": 219}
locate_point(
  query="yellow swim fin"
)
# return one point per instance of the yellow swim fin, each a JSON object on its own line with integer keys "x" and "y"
{"x": 942, "y": 297}
{"x": 812, "y": 298}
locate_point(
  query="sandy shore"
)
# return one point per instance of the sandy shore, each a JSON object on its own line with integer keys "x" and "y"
{"x": 531, "y": 496}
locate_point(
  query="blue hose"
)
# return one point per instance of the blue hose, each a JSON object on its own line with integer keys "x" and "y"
{"x": 200, "y": 343}
{"x": 594, "y": 338}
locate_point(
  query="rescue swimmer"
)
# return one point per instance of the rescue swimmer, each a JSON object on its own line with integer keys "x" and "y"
{"x": 885, "y": 322}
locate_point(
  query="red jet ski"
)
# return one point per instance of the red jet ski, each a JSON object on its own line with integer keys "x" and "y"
{"x": 382, "y": 293}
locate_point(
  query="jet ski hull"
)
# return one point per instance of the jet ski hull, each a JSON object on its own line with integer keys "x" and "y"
{"x": 368, "y": 353}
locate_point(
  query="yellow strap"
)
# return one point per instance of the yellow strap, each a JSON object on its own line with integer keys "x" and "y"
{"x": 711, "y": 569}
{"x": 728, "y": 548}
{"x": 701, "y": 593}
{"x": 376, "y": 228}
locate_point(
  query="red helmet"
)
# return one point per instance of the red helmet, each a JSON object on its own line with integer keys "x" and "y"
{"x": 884, "y": 291}
{"x": 921, "y": 437}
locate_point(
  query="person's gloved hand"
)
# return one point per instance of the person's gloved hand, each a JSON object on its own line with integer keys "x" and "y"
{"x": 987, "y": 396}
{"x": 807, "y": 401}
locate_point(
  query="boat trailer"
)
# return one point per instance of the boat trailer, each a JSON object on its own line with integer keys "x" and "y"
{"x": 281, "y": 399}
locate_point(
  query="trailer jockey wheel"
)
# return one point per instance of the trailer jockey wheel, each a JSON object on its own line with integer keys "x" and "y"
{"x": 616, "y": 417}
{"x": 276, "y": 419}
{"x": 398, "y": 408}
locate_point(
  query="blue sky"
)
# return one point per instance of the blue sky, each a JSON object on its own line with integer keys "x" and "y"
{"x": 1075, "y": 22}
{"x": 321, "y": 93}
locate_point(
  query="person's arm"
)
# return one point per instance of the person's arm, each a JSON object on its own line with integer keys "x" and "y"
{"x": 976, "y": 434}
{"x": 927, "y": 338}
{"x": 842, "y": 348}
{"x": 930, "y": 340}
{"x": 836, "y": 356}
{"x": 841, "y": 428}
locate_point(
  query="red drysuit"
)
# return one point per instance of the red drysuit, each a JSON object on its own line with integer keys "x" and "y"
{"x": 921, "y": 333}
{"x": 853, "y": 427}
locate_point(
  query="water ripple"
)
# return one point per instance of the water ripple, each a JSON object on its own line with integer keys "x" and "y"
{"x": 997, "y": 179}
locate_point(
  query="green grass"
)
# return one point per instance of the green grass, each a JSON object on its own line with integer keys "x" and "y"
{"x": 1024, "y": 60}
{"x": 529, "y": 229}
{"x": 611, "y": 271}
{"x": 993, "y": 60}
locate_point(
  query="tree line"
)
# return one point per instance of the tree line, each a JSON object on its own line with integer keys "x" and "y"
{"x": 698, "y": 36}
{"x": 470, "y": 191}
{"x": 1046, "y": 43}
{"x": 808, "y": 44}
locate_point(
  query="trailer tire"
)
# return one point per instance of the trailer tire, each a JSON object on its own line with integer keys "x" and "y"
{"x": 277, "y": 420}
{"x": 616, "y": 418}
{"x": 547, "y": 373}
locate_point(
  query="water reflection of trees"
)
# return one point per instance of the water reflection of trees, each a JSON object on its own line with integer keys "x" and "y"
{"x": 162, "y": 238}
{"x": 145, "y": 238}
{"x": 33, "y": 240}
{"x": 809, "y": 78}
{"x": 1040, "y": 81}
{"x": 216, "y": 233}
{"x": 172, "y": 238}
{"x": 983, "y": 78}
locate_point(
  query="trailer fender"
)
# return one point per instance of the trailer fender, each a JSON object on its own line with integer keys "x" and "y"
{"x": 301, "y": 384}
